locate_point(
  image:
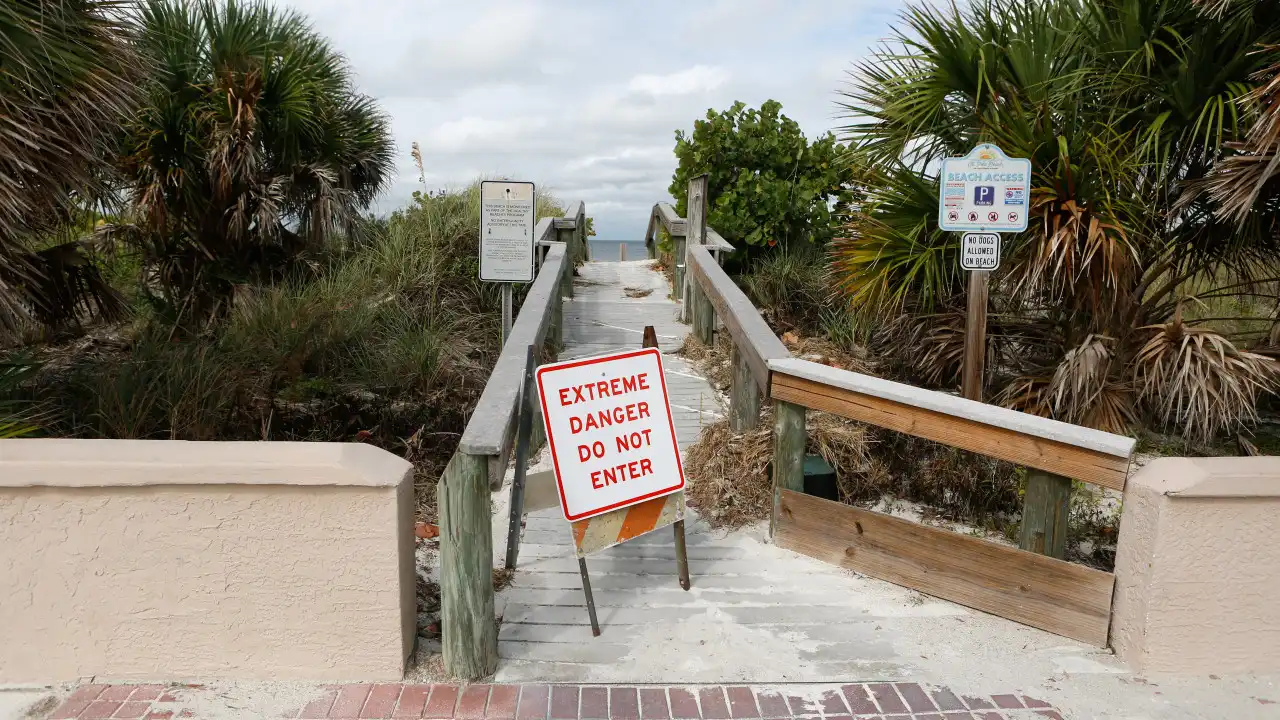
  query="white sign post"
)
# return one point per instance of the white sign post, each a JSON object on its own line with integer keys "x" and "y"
{"x": 609, "y": 426}
{"x": 507, "y": 214}
{"x": 981, "y": 194}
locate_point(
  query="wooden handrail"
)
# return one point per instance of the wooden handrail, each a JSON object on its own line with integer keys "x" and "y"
{"x": 751, "y": 335}
{"x": 1097, "y": 441}
{"x": 664, "y": 216}
{"x": 1053, "y": 446}
{"x": 491, "y": 428}
{"x": 470, "y": 641}
{"x": 1031, "y": 584}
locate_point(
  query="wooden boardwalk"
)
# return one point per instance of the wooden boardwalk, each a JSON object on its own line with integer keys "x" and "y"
{"x": 754, "y": 614}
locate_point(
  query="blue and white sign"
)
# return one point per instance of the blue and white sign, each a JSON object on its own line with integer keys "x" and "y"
{"x": 985, "y": 190}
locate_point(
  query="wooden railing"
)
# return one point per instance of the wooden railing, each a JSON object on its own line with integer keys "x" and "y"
{"x": 1030, "y": 584}
{"x": 712, "y": 297}
{"x": 469, "y": 636}
{"x": 664, "y": 218}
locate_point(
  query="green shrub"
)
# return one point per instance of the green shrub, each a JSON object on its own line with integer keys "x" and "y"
{"x": 792, "y": 284}
{"x": 17, "y": 417}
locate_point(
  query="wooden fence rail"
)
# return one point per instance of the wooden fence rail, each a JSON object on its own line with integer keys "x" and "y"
{"x": 469, "y": 633}
{"x": 1026, "y": 584}
{"x": 716, "y": 297}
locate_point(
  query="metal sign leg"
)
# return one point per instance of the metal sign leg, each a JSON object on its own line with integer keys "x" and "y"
{"x": 586, "y": 590}
{"x": 506, "y": 312}
{"x": 682, "y": 555}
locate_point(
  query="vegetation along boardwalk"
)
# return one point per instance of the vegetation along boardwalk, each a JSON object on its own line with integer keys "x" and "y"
{"x": 755, "y": 613}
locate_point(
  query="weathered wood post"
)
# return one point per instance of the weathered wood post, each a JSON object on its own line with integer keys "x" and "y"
{"x": 555, "y": 329}
{"x": 470, "y": 638}
{"x": 744, "y": 395}
{"x": 695, "y": 233}
{"x": 789, "y": 437}
{"x": 1045, "y": 509}
{"x": 975, "y": 332}
{"x": 580, "y": 230}
{"x": 677, "y": 258}
{"x": 565, "y": 235}
{"x": 704, "y": 313}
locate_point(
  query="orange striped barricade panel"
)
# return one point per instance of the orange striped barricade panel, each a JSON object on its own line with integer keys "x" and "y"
{"x": 612, "y": 528}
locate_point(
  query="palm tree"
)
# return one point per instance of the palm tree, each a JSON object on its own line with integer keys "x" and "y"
{"x": 68, "y": 79}
{"x": 1144, "y": 289}
{"x": 253, "y": 146}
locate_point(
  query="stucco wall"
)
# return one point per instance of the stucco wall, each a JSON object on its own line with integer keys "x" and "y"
{"x": 154, "y": 560}
{"x": 1198, "y": 567}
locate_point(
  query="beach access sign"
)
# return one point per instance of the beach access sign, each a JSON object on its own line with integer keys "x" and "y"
{"x": 506, "y": 231}
{"x": 985, "y": 190}
{"x": 609, "y": 426}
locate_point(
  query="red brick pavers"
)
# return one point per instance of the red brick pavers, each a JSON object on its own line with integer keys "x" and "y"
{"x": 878, "y": 701}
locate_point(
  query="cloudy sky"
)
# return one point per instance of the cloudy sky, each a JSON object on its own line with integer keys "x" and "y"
{"x": 584, "y": 96}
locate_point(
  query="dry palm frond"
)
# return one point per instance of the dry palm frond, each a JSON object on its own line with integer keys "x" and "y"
{"x": 1077, "y": 242}
{"x": 69, "y": 80}
{"x": 940, "y": 355}
{"x": 1083, "y": 391}
{"x": 1028, "y": 394}
{"x": 714, "y": 361}
{"x": 1237, "y": 180}
{"x": 1197, "y": 380}
{"x": 728, "y": 472}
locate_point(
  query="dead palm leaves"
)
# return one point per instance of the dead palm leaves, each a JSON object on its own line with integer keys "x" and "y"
{"x": 1198, "y": 381}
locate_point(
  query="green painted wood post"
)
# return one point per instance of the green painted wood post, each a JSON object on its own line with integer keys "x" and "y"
{"x": 744, "y": 395}
{"x": 789, "y": 439}
{"x": 467, "y": 622}
{"x": 566, "y": 281}
{"x": 538, "y": 434}
{"x": 677, "y": 257}
{"x": 704, "y": 314}
{"x": 1045, "y": 509}
{"x": 555, "y": 329}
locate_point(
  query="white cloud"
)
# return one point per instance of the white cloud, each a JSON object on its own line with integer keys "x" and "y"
{"x": 584, "y": 96}
{"x": 472, "y": 134}
{"x": 698, "y": 78}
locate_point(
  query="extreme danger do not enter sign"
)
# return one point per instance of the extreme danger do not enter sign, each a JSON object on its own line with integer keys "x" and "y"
{"x": 609, "y": 426}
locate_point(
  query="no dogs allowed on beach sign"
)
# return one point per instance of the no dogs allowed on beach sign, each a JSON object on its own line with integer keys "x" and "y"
{"x": 609, "y": 426}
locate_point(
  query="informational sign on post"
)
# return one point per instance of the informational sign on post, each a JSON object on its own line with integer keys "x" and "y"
{"x": 984, "y": 190}
{"x": 988, "y": 192}
{"x": 506, "y": 231}
{"x": 980, "y": 251}
{"x": 610, "y": 430}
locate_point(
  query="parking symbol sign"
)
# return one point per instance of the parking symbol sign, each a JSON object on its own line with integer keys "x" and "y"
{"x": 985, "y": 190}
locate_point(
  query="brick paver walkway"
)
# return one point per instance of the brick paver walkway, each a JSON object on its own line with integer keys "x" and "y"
{"x": 883, "y": 701}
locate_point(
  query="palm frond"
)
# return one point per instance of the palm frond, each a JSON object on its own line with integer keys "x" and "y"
{"x": 1198, "y": 382}
{"x": 253, "y": 148}
{"x": 71, "y": 77}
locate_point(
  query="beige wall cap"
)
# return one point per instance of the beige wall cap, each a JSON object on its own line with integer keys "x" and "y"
{"x": 107, "y": 463}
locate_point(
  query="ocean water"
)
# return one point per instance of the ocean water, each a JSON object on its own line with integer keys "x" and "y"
{"x": 607, "y": 250}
